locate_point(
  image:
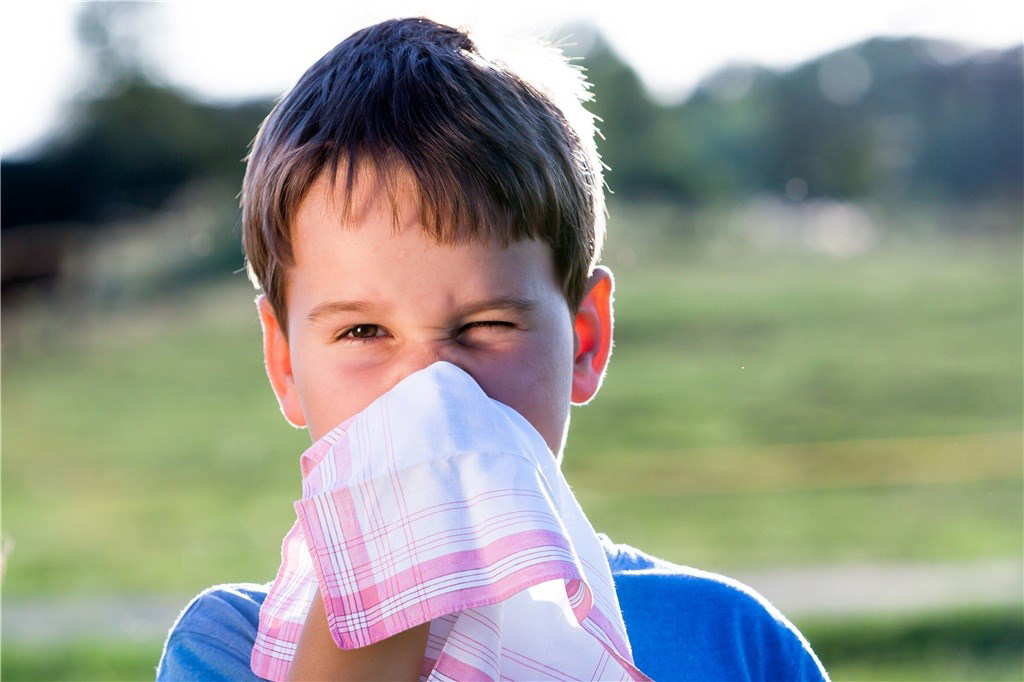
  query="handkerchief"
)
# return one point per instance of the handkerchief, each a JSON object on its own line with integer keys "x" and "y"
{"x": 437, "y": 503}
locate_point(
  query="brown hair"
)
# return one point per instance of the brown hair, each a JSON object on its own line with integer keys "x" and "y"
{"x": 491, "y": 153}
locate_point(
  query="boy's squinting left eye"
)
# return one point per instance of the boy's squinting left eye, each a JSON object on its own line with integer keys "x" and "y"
{"x": 492, "y": 324}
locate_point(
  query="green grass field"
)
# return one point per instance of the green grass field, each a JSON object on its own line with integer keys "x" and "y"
{"x": 759, "y": 410}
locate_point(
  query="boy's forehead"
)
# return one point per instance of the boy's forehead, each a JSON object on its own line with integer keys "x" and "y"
{"x": 363, "y": 245}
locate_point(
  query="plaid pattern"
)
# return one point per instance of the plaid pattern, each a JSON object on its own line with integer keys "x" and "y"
{"x": 439, "y": 504}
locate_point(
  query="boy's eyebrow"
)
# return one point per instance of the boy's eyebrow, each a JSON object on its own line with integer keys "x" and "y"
{"x": 329, "y": 307}
{"x": 513, "y": 303}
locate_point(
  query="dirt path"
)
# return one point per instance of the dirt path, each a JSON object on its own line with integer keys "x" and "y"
{"x": 889, "y": 588}
{"x": 797, "y": 592}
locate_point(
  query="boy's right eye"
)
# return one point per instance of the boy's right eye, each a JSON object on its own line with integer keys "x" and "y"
{"x": 360, "y": 331}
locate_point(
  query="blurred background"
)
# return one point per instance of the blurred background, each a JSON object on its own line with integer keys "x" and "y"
{"x": 816, "y": 227}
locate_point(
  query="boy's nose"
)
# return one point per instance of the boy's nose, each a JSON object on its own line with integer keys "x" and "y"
{"x": 426, "y": 354}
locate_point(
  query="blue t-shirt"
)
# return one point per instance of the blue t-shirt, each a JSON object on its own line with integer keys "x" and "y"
{"x": 682, "y": 623}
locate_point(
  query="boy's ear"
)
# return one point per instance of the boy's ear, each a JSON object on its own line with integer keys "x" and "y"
{"x": 593, "y": 336}
{"x": 278, "y": 360}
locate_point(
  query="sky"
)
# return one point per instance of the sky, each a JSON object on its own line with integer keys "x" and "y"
{"x": 230, "y": 50}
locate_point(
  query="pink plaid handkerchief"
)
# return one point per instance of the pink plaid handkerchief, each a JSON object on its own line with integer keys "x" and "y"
{"x": 437, "y": 503}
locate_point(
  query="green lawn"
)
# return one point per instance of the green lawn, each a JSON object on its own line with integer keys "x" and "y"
{"x": 86, "y": 659}
{"x": 960, "y": 645}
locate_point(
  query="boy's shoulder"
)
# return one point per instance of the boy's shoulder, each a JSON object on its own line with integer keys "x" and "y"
{"x": 213, "y": 635}
{"x": 713, "y": 627}
{"x": 683, "y": 623}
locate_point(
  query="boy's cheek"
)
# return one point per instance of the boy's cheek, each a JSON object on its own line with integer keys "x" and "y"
{"x": 331, "y": 393}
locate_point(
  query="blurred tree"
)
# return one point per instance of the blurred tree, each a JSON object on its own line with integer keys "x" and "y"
{"x": 111, "y": 36}
{"x": 130, "y": 142}
{"x": 631, "y": 127}
{"x": 890, "y": 119}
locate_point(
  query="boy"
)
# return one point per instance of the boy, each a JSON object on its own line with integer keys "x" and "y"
{"x": 412, "y": 201}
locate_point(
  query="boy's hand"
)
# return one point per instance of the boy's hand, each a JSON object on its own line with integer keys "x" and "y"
{"x": 399, "y": 657}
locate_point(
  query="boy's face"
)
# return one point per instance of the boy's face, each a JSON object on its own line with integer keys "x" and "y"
{"x": 368, "y": 305}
